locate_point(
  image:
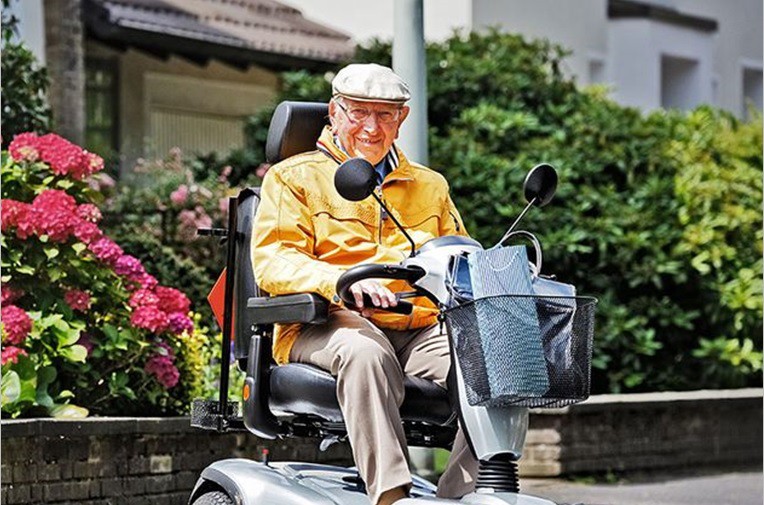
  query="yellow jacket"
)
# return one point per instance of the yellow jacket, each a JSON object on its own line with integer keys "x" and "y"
{"x": 306, "y": 235}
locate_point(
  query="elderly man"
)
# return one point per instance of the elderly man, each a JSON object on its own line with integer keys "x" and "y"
{"x": 306, "y": 235}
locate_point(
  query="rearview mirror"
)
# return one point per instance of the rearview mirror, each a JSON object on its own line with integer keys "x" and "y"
{"x": 355, "y": 179}
{"x": 540, "y": 184}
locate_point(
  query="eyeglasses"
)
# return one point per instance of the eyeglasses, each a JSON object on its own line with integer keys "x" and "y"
{"x": 359, "y": 114}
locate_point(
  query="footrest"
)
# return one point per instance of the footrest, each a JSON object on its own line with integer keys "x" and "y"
{"x": 206, "y": 415}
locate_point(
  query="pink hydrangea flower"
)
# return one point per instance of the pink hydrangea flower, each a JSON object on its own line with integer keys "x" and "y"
{"x": 129, "y": 267}
{"x": 90, "y": 164}
{"x": 55, "y": 199}
{"x": 180, "y": 322}
{"x": 161, "y": 366}
{"x": 12, "y": 213}
{"x": 63, "y": 157}
{"x": 77, "y": 300}
{"x": 9, "y": 294}
{"x": 10, "y": 354}
{"x": 16, "y": 324}
{"x": 106, "y": 250}
{"x": 172, "y": 300}
{"x": 150, "y": 318}
{"x": 57, "y": 224}
{"x": 53, "y": 214}
{"x": 87, "y": 232}
{"x": 179, "y": 196}
{"x": 146, "y": 281}
{"x": 89, "y": 212}
{"x": 24, "y": 147}
{"x": 143, "y": 297}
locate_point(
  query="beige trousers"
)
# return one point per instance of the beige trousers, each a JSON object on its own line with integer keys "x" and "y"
{"x": 369, "y": 365}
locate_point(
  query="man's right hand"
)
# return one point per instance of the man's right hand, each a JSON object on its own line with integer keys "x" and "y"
{"x": 379, "y": 294}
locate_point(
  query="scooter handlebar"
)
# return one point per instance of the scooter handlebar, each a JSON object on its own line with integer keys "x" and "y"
{"x": 361, "y": 272}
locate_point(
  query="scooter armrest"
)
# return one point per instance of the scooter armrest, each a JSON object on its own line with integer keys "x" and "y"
{"x": 307, "y": 308}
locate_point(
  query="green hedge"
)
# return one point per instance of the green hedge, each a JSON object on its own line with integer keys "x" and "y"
{"x": 658, "y": 215}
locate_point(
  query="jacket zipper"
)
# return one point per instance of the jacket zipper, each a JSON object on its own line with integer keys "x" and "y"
{"x": 382, "y": 215}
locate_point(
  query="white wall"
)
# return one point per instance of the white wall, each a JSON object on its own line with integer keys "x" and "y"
{"x": 364, "y": 20}
{"x": 30, "y": 26}
{"x": 654, "y": 64}
{"x": 579, "y": 25}
{"x": 738, "y": 43}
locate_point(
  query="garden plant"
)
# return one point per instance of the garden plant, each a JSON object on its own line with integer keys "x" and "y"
{"x": 85, "y": 328}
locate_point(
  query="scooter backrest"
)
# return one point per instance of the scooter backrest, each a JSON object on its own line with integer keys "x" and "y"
{"x": 244, "y": 281}
{"x": 294, "y": 129}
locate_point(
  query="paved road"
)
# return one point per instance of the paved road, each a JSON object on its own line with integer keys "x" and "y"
{"x": 735, "y": 488}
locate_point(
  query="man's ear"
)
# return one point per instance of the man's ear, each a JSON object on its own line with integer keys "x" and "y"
{"x": 404, "y": 114}
{"x": 332, "y": 112}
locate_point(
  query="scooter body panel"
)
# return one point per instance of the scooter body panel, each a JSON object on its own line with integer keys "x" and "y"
{"x": 250, "y": 482}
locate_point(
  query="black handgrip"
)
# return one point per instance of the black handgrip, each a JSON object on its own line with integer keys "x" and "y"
{"x": 361, "y": 272}
{"x": 402, "y": 307}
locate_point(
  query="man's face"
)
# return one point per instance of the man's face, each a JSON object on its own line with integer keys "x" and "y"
{"x": 366, "y": 129}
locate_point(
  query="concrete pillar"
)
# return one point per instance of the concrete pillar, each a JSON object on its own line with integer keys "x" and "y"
{"x": 65, "y": 56}
{"x": 409, "y": 62}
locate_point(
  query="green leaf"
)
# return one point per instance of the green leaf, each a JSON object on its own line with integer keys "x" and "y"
{"x": 76, "y": 353}
{"x": 79, "y": 247}
{"x": 56, "y": 273}
{"x": 67, "y": 333}
{"x": 46, "y": 375}
{"x": 25, "y": 269}
{"x": 51, "y": 251}
{"x": 68, "y": 411}
{"x": 10, "y": 390}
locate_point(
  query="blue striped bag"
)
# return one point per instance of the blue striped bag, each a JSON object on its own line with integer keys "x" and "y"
{"x": 508, "y": 324}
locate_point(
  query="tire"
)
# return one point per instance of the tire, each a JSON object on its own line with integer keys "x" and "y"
{"x": 214, "y": 498}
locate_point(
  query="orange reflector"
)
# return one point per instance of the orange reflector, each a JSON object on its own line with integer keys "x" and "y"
{"x": 245, "y": 392}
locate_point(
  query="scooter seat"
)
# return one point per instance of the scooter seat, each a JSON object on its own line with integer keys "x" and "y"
{"x": 298, "y": 388}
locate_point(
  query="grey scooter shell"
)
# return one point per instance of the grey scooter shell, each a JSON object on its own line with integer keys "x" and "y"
{"x": 249, "y": 482}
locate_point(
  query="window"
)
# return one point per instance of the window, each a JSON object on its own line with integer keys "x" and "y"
{"x": 193, "y": 132}
{"x": 596, "y": 68}
{"x": 752, "y": 89}
{"x": 101, "y": 107}
{"x": 680, "y": 83}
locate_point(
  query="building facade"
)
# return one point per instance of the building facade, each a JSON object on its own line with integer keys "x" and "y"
{"x": 136, "y": 78}
{"x": 650, "y": 53}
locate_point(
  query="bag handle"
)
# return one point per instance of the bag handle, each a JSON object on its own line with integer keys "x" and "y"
{"x": 535, "y": 268}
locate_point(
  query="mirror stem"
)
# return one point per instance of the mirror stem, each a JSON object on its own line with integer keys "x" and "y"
{"x": 522, "y": 214}
{"x": 413, "y": 245}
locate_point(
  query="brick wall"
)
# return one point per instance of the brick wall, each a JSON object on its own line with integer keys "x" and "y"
{"x": 646, "y": 431}
{"x": 141, "y": 461}
{"x": 126, "y": 461}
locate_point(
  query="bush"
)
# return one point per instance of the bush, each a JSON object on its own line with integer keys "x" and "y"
{"x": 83, "y": 324}
{"x": 155, "y": 215}
{"x": 657, "y": 215}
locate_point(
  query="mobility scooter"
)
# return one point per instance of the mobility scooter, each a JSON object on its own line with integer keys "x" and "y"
{"x": 300, "y": 400}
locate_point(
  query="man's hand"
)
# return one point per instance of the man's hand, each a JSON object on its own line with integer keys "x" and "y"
{"x": 379, "y": 294}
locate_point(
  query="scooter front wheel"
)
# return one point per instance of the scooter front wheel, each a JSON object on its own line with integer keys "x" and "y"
{"x": 214, "y": 498}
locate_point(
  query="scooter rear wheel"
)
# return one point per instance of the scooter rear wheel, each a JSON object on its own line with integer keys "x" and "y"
{"x": 214, "y": 498}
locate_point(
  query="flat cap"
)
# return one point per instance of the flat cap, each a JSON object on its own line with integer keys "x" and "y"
{"x": 371, "y": 83}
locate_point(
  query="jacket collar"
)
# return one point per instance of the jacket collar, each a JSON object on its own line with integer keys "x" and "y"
{"x": 402, "y": 169}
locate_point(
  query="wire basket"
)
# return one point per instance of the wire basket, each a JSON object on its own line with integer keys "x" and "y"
{"x": 531, "y": 351}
